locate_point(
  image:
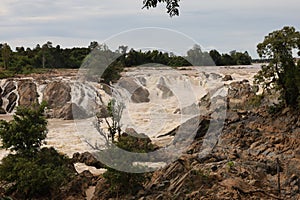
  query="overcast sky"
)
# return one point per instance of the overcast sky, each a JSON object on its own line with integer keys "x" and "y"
{"x": 224, "y": 25}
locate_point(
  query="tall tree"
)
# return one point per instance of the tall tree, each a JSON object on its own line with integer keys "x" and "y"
{"x": 216, "y": 56}
{"x": 6, "y": 53}
{"x": 281, "y": 72}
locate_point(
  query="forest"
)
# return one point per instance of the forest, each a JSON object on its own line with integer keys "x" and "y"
{"x": 24, "y": 60}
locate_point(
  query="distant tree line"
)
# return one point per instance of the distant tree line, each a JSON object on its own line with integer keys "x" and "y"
{"x": 47, "y": 56}
{"x": 233, "y": 58}
{"x": 41, "y": 56}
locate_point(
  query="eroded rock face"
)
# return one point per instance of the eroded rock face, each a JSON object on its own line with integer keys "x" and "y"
{"x": 28, "y": 91}
{"x": 57, "y": 94}
{"x": 69, "y": 111}
{"x": 10, "y": 86}
{"x": 12, "y": 101}
{"x": 8, "y": 96}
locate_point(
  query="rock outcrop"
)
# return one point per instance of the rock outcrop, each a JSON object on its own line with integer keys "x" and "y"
{"x": 88, "y": 159}
{"x": 227, "y": 77}
{"x": 29, "y": 93}
{"x": 8, "y": 92}
{"x": 57, "y": 94}
{"x": 256, "y": 157}
{"x": 137, "y": 92}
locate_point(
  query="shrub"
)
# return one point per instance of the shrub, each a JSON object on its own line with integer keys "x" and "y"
{"x": 31, "y": 171}
{"x": 39, "y": 176}
{"x": 26, "y": 132}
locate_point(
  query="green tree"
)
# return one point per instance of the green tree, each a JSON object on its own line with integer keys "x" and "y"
{"x": 216, "y": 56}
{"x": 6, "y": 53}
{"x": 172, "y": 6}
{"x": 281, "y": 73}
{"x": 30, "y": 171}
{"x": 38, "y": 176}
{"x": 24, "y": 134}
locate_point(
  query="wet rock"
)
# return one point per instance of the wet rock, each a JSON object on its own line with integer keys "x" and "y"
{"x": 12, "y": 101}
{"x": 214, "y": 76}
{"x": 88, "y": 159}
{"x": 69, "y": 112}
{"x": 227, "y": 78}
{"x": 57, "y": 94}
{"x": 2, "y": 111}
{"x": 164, "y": 88}
{"x": 107, "y": 89}
{"x": 142, "y": 80}
{"x": 197, "y": 125}
{"x": 27, "y": 93}
{"x": 8, "y": 88}
{"x": 138, "y": 93}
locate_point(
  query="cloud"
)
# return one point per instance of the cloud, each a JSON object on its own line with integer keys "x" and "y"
{"x": 226, "y": 25}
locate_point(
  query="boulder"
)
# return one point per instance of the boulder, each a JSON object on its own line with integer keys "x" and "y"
{"x": 88, "y": 159}
{"x": 227, "y": 77}
{"x": 57, "y": 94}
{"x": 27, "y": 93}
{"x": 138, "y": 93}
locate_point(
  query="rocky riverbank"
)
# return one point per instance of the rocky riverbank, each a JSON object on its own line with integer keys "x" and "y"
{"x": 257, "y": 157}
